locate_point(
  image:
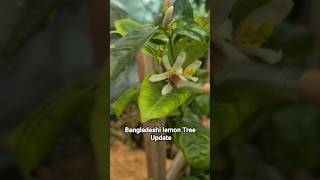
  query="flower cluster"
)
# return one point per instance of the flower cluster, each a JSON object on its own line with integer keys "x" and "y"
{"x": 253, "y": 31}
{"x": 176, "y": 75}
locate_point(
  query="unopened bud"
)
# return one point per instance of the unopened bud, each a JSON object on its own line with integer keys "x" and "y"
{"x": 168, "y": 16}
{"x": 169, "y": 3}
{"x": 206, "y": 88}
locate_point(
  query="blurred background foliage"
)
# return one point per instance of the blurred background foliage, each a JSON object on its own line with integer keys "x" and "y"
{"x": 53, "y": 123}
{"x": 261, "y": 128}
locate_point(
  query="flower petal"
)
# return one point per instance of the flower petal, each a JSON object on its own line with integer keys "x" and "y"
{"x": 180, "y": 60}
{"x": 166, "y": 89}
{"x": 190, "y": 84}
{"x": 166, "y": 62}
{"x": 182, "y": 77}
{"x": 233, "y": 53}
{"x": 158, "y": 77}
{"x": 195, "y": 79}
{"x": 268, "y": 55}
{"x": 273, "y": 12}
{"x": 195, "y": 65}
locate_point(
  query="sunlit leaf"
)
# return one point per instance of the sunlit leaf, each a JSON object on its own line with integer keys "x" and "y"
{"x": 154, "y": 105}
{"x": 124, "y": 26}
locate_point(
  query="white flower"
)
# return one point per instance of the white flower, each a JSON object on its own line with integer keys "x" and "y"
{"x": 176, "y": 76}
{"x": 247, "y": 39}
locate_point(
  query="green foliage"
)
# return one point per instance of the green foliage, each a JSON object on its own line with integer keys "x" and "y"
{"x": 153, "y": 104}
{"x": 231, "y": 112}
{"x": 124, "y": 26}
{"x": 127, "y": 47}
{"x": 193, "y": 49}
{"x": 182, "y": 9}
{"x": 202, "y": 105}
{"x": 195, "y": 146}
{"x": 120, "y": 105}
{"x": 36, "y": 136}
{"x": 192, "y": 31}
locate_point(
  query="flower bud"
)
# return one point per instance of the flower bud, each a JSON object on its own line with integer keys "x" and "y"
{"x": 168, "y": 16}
{"x": 206, "y": 88}
{"x": 169, "y": 3}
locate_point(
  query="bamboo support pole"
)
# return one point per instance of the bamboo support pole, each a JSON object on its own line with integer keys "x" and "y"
{"x": 155, "y": 151}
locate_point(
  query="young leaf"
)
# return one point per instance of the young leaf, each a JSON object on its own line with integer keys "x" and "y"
{"x": 124, "y": 26}
{"x": 120, "y": 105}
{"x": 127, "y": 47}
{"x": 195, "y": 146}
{"x": 154, "y": 105}
{"x": 31, "y": 142}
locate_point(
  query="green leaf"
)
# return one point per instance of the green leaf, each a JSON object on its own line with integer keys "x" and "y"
{"x": 124, "y": 26}
{"x": 234, "y": 108}
{"x": 127, "y": 47}
{"x": 195, "y": 146}
{"x": 182, "y": 9}
{"x": 194, "y": 50}
{"x": 31, "y": 142}
{"x": 120, "y": 105}
{"x": 192, "y": 31}
{"x": 189, "y": 33}
{"x": 202, "y": 104}
{"x": 153, "y": 104}
{"x": 99, "y": 127}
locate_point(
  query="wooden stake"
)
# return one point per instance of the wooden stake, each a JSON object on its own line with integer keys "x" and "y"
{"x": 155, "y": 151}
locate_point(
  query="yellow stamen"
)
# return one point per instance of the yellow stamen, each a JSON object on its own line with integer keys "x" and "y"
{"x": 251, "y": 36}
{"x": 189, "y": 72}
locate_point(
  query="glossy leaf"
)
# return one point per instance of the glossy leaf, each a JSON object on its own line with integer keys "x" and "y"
{"x": 127, "y": 47}
{"x": 195, "y": 146}
{"x": 120, "y": 105}
{"x": 124, "y": 26}
{"x": 153, "y": 104}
